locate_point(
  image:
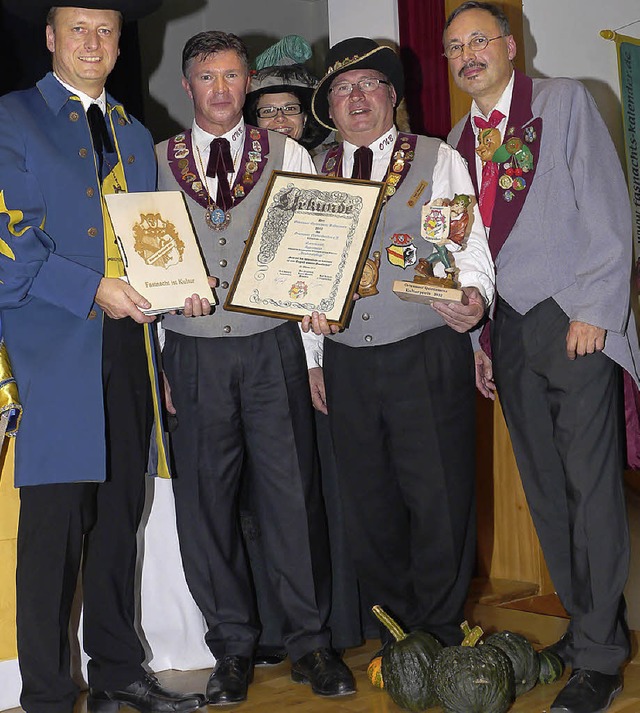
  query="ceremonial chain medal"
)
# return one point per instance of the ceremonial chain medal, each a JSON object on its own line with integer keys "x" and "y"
{"x": 215, "y": 217}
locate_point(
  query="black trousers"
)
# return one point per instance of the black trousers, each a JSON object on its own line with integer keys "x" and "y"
{"x": 345, "y": 619}
{"x": 565, "y": 420}
{"x": 403, "y": 424}
{"x": 237, "y": 398}
{"x": 63, "y": 524}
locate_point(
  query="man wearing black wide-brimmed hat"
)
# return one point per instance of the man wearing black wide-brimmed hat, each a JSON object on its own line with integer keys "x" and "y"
{"x": 400, "y": 379}
{"x": 83, "y": 356}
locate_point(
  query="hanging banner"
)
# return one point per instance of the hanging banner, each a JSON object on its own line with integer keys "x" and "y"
{"x": 628, "y": 51}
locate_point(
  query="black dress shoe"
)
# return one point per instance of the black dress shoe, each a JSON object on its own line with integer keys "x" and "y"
{"x": 587, "y": 692}
{"x": 229, "y": 680}
{"x": 325, "y": 671}
{"x": 562, "y": 648}
{"x": 146, "y": 695}
{"x": 269, "y": 655}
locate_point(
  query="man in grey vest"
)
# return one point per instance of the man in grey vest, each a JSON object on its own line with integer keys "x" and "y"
{"x": 562, "y": 328}
{"x": 400, "y": 379}
{"x": 240, "y": 390}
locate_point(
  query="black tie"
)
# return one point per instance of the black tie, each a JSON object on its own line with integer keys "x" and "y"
{"x": 99, "y": 134}
{"x": 220, "y": 164}
{"x": 362, "y": 163}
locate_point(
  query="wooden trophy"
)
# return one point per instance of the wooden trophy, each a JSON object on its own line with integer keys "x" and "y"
{"x": 444, "y": 222}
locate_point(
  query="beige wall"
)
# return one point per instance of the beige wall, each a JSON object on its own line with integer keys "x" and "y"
{"x": 259, "y": 23}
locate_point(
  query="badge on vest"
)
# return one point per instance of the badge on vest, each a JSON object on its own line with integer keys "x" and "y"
{"x": 371, "y": 272}
{"x": 402, "y": 252}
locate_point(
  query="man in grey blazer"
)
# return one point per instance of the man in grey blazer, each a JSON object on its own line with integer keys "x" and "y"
{"x": 560, "y": 235}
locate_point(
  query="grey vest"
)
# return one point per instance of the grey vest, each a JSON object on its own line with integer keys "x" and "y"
{"x": 222, "y": 251}
{"x": 385, "y": 318}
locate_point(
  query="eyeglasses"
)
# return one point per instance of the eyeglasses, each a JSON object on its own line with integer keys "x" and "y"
{"x": 366, "y": 85}
{"x": 475, "y": 44}
{"x": 270, "y": 112}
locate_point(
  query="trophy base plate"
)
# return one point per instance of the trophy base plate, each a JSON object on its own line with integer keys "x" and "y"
{"x": 435, "y": 290}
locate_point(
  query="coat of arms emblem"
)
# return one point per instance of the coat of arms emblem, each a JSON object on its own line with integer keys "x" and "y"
{"x": 157, "y": 241}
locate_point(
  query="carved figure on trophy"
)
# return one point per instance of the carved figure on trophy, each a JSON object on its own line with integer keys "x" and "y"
{"x": 445, "y": 224}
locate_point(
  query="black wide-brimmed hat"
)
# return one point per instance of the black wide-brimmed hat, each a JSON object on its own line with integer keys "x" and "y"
{"x": 287, "y": 78}
{"x": 36, "y": 10}
{"x": 355, "y": 53}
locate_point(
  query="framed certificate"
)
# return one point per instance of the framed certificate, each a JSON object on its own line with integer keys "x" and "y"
{"x": 307, "y": 247}
{"x": 161, "y": 254}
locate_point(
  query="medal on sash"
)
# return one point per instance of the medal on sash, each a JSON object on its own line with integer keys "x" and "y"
{"x": 216, "y": 218}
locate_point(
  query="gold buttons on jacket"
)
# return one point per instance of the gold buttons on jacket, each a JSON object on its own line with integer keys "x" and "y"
{"x": 121, "y": 121}
{"x": 74, "y": 116}
{"x": 90, "y": 192}
{"x": 93, "y": 314}
{"x": 83, "y": 153}
{"x": 92, "y": 232}
{"x": 131, "y": 159}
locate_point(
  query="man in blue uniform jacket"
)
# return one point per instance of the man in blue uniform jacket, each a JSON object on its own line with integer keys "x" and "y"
{"x": 83, "y": 356}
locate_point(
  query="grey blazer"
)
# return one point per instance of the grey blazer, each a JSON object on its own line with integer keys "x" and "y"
{"x": 567, "y": 233}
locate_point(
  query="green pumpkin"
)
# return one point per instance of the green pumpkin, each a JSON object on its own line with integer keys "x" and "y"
{"x": 523, "y": 657}
{"x": 406, "y": 665}
{"x": 470, "y": 679}
{"x": 551, "y": 667}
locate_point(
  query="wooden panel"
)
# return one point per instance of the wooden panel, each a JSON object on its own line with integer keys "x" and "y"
{"x": 516, "y": 549}
{"x": 460, "y": 101}
{"x": 508, "y": 547}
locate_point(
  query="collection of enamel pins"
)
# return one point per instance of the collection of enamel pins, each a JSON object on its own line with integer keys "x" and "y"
{"x": 514, "y": 155}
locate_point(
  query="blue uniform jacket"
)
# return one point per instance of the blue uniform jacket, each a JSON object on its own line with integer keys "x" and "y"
{"x": 51, "y": 262}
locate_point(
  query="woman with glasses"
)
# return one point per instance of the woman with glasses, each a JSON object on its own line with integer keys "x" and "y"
{"x": 280, "y": 93}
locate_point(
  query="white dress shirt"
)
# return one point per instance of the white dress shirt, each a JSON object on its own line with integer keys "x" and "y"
{"x": 296, "y": 158}
{"x": 86, "y": 100}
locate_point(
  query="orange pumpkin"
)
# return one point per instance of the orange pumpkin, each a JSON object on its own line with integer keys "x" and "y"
{"x": 374, "y": 672}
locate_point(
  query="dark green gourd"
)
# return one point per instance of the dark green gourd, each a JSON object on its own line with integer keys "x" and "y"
{"x": 523, "y": 657}
{"x": 551, "y": 667}
{"x": 407, "y": 664}
{"x": 474, "y": 679}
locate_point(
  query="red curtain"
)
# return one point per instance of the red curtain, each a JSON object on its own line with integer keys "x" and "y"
{"x": 425, "y": 69}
